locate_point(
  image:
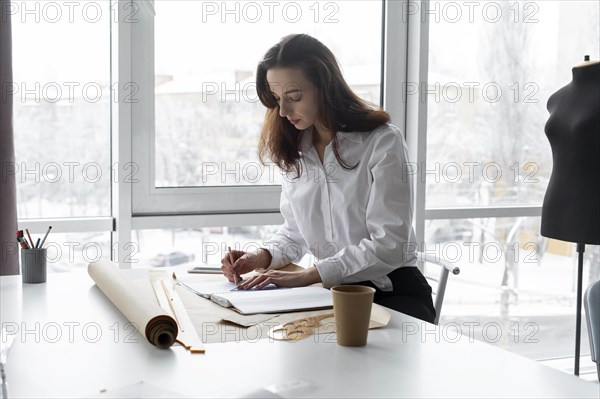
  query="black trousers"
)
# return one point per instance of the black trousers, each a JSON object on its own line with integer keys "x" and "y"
{"x": 411, "y": 294}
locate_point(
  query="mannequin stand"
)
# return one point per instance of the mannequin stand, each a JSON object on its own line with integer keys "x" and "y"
{"x": 580, "y": 251}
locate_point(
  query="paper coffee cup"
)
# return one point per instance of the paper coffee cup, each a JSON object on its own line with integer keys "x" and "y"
{"x": 352, "y": 312}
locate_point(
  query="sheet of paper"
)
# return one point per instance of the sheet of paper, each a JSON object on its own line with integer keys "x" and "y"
{"x": 285, "y": 389}
{"x": 380, "y": 318}
{"x": 216, "y": 324}
{"x": 247, "y": 320}
{"x": 207, "y": 288}
{"x": 205, "y": 269}
{"x": 259, "y": 393}
{"x": 278, "y": 300}
{"x": 208, "y": 318}
{"x": 137, "y": 390}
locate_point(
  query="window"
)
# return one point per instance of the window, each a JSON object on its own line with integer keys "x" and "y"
{"x": 492, "y": 67}
{"x": 169, "y": 247}
{"x": 196, "y": 140}
{"x": 102, "y": 57}
{"x": 74, "y": 251}
{"x": 516, "y": 288}
{"x": 61, "y": 54}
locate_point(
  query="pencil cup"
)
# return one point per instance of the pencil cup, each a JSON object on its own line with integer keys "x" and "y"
{"x": 352, "y": 312}
{"x": 33, "y": 265}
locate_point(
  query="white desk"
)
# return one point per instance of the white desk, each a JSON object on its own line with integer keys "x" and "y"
{"x": 390, "y": 365}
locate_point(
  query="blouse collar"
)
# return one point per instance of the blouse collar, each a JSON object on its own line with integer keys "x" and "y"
{"x": 306, "y": 140}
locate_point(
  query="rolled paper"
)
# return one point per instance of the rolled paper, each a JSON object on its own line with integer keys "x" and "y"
{"x": 140, "y": 308}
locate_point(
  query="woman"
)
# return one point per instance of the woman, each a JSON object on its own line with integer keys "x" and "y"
{"x": 344, "y": 198}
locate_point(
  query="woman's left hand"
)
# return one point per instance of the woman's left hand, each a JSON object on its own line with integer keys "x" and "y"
{"x": 282, "y": 279}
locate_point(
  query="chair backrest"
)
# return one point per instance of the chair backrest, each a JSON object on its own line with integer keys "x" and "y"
{"x": 436, "y": 271}
{"x": 591, "y": 302}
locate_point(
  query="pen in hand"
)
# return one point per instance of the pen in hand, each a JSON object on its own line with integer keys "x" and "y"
{"x": 230, "y": 254}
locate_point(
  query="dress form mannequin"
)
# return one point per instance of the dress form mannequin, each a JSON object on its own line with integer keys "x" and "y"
{"x": 571, "y": 209}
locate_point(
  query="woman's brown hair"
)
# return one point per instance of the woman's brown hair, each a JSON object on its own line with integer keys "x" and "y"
{"x": 340, "y": 109}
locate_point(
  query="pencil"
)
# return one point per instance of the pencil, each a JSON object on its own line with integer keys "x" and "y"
{"x": 19, "y": 240}
{"x": 46, "y": 236}
{"x": 29, "y": 235}
{"x": 22, "y": 240}
{"x": 235, "y": 280}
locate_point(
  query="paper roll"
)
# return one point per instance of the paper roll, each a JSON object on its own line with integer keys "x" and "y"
{"x": 136, "y": 305}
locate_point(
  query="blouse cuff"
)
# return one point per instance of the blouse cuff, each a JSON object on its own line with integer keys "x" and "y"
{"x": 330, "y": 274}
{"x": 278, "y": 260}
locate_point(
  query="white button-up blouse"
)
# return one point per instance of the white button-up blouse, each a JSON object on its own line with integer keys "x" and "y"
{"x": 357, "y": 223}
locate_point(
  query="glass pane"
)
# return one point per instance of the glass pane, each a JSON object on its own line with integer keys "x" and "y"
{"x": 160, "y": 248}
{"x": 516, "y": 289}
{"x": 208, "y": 116}
{"x": 73, "y": 251}
{"x": 61, "y": 65}
{"x": 492, "y": 67}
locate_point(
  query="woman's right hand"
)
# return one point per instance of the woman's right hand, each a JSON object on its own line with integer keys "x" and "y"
{"x": 236, "y": 263}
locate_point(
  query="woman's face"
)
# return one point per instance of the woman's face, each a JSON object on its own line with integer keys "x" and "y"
{"x": 295, "y": 95}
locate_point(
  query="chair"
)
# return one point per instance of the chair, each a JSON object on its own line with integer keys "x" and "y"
{"x": 437, "y": 281}
{"x": 591, "y": 302}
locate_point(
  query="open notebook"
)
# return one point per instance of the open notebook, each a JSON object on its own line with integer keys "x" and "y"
{"x": 270, "y": 299}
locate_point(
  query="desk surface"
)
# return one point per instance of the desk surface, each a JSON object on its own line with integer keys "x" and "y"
{"x": 72, "y": 342}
